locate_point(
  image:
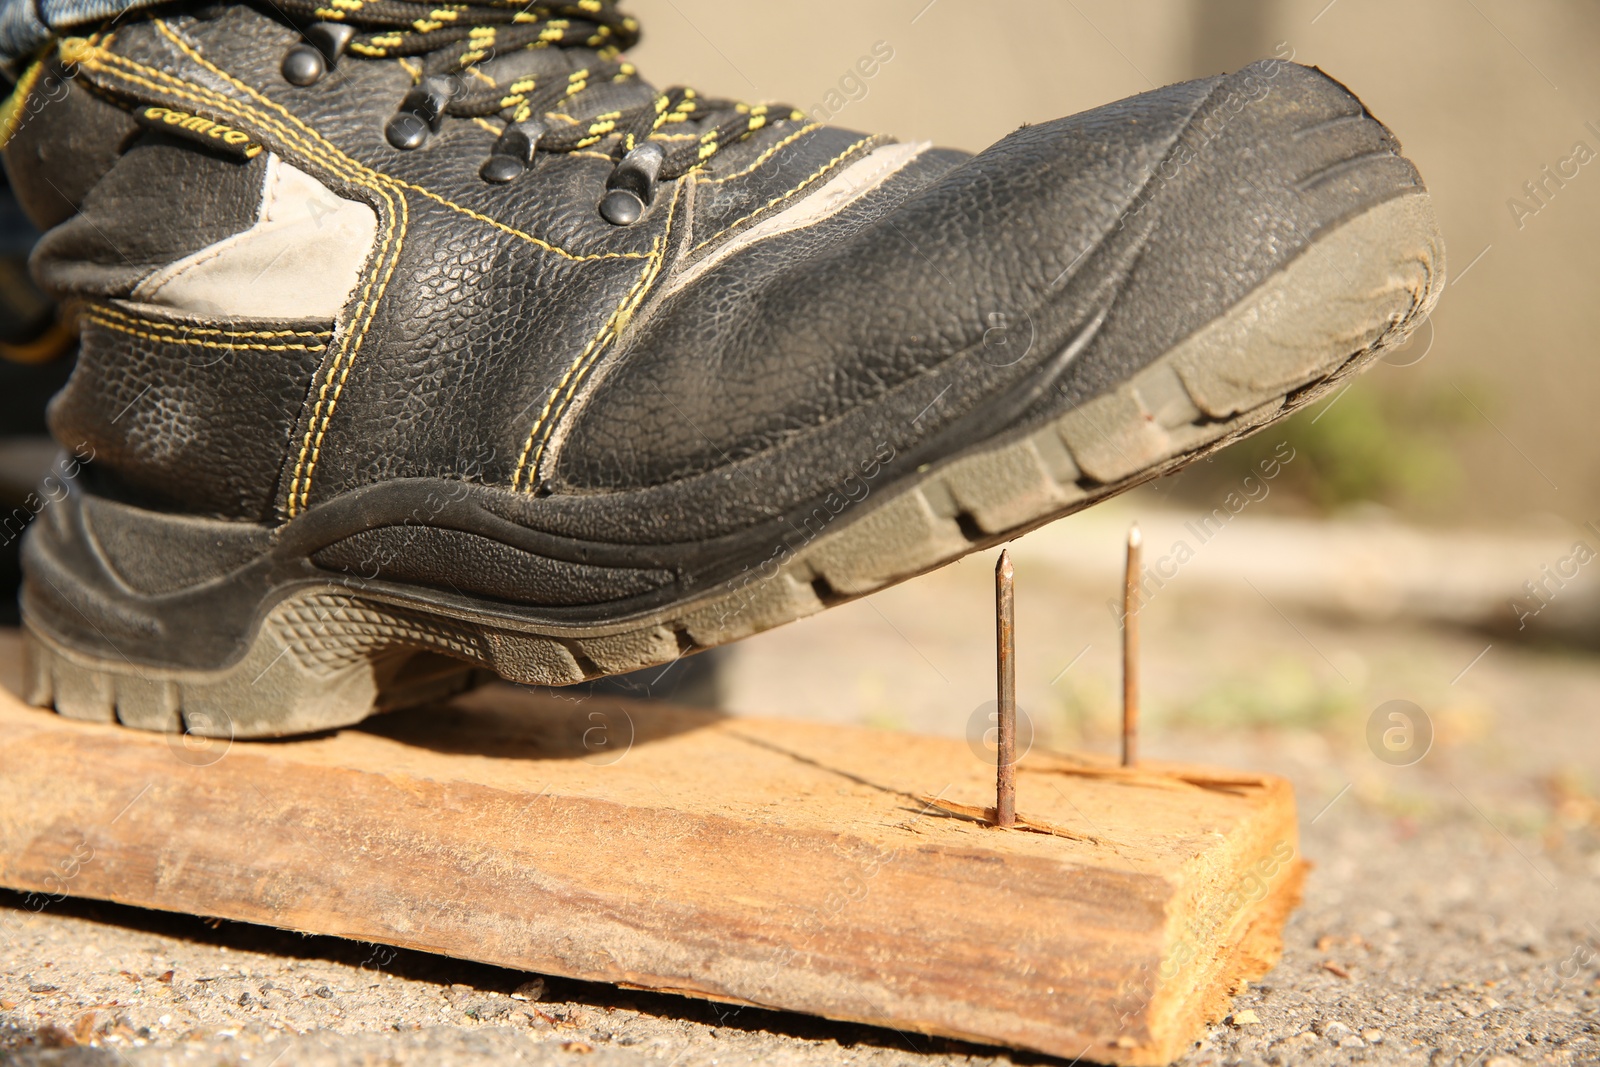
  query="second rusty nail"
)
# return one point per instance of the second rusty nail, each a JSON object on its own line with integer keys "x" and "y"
{"x": 1130, "y": 650}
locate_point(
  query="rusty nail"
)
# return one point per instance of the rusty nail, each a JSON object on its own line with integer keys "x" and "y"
{"x": 1005, "y": 619}
{"x": 1130, "y": 651}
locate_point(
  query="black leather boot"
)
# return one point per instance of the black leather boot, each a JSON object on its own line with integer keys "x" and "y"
{"x": 419, "y": 343}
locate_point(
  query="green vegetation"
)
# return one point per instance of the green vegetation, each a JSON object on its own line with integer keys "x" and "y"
{"x": 1367, "y": 445}
{"x": 1283, "y": 694}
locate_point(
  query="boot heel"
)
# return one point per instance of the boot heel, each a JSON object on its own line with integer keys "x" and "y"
{"x": 270, "y": 692}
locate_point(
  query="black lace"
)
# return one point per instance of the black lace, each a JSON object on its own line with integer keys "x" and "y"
{"x": 450, "y": 40}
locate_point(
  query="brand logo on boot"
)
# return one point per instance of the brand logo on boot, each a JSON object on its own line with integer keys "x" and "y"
{"x": 213, "y": 134}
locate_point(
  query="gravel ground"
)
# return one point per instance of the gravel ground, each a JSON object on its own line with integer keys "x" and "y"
{"x": 1452, "y": 918}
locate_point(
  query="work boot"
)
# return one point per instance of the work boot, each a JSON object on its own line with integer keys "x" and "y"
{"x": 425, "y": 341}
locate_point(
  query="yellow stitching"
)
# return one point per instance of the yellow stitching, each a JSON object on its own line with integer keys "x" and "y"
{"x": 322, "y": 413}
{"x": 623, "y": 311}
{"x": 763, "y": 157}
{"x": 158, "y": 324}
{"x": 592, "y": 347}
{"x": 344, "y": 167}
{"x": 329, "y": 148}
{"x": 379, "y": 174}
{"x": 481, "y": 76}
{"x": 11, "y": 112}
{"x": 487, "y": 125}
{"x": 311, "y": 447}
{"x": 775, "y": 201}
{"x": 121, "y": 328}
{"x": 336, "y": 160}
{"x": 361, "y": 168}
{"x": 497, "y": 224}
{"x": 618, "y": 323}
{"x": 310, "y": 450}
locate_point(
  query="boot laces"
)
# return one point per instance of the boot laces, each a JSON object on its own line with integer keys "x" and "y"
{"x": 442, "y": 46}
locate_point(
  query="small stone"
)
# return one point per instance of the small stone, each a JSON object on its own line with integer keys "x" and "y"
{"x": 1247, "y": 1017}
{"x": 1352, "y": 1042}
{"x": 1372, "y": 1036}
{"x": 1334, "y": 1031}
{"x": 487, "y": 1010}
{"x": 324, "y": 992}
{"x": 42, "y": 987}
{"x": 532, "y": 989}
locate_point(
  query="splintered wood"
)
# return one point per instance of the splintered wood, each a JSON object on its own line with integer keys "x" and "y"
{"x": 844, "y": 872}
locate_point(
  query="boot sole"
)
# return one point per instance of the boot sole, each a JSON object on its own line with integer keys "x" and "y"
{"x": 324, "y": 656}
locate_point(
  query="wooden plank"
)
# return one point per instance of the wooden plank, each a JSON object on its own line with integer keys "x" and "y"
{"x": 838, "y": 871}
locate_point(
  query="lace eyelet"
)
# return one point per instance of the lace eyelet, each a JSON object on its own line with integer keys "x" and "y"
{"x": 513, "y": 152}
{"x": 420, "y": 114}
{"x": 324, "y": 43}
{"x": 631, "y": 188}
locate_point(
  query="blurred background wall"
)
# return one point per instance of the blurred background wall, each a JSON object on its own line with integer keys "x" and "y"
{"x": 1493, "y": 422}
